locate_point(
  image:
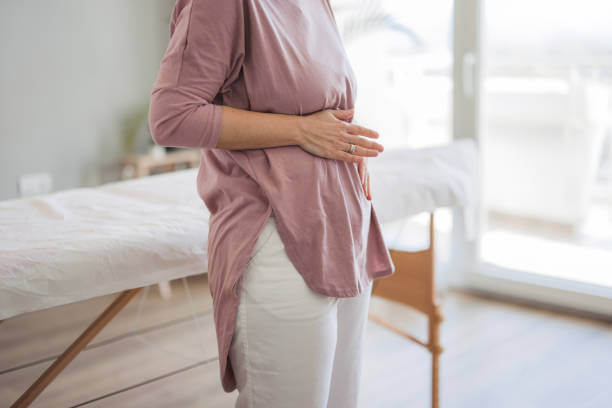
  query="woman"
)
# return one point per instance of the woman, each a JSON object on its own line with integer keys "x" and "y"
{"x": 265, "y": 89}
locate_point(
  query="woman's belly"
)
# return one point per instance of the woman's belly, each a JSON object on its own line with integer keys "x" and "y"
{"x": 291, "y": 173}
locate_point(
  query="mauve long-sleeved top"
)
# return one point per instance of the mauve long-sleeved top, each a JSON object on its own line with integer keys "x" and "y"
{"x": 281, "y": 56}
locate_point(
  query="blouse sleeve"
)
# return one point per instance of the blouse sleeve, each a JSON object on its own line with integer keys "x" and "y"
{"x": 203, "y": 57}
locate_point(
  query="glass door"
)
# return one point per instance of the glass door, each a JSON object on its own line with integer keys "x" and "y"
{"x": 545, "y": 135}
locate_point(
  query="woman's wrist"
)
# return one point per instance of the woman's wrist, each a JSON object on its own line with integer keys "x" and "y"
{"x": 297, "y": 130}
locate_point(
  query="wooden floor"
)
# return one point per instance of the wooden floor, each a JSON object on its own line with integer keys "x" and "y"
{"x": 496, "y": 355}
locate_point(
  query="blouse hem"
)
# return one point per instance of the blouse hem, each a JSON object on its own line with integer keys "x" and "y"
{"x": 228, "y": 381}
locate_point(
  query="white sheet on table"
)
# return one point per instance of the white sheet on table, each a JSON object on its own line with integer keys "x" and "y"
{"x": 77, "y": 244}
{"x": 410, "y": 181}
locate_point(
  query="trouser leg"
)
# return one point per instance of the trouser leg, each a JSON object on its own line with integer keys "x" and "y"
{"x": 346, "y": 374}
{"x": 283, "y": 347}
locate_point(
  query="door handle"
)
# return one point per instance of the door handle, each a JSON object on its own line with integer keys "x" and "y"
{"x": 468, "y": 73}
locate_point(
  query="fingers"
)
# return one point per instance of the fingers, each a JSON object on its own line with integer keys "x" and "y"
{"x": 365, "y": 143}
{"x": 361, "y": 169}
{"x": 343, "y": 114}
{"x": 339, "y": 152}
{"x": 363, "y": 131}
{"x": 363, "y": 175}
{"x": 359, "y": 150}
{"x": 362, "y": 151}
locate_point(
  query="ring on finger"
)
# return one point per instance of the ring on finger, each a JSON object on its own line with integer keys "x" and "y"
{"x": 351, "y": 148}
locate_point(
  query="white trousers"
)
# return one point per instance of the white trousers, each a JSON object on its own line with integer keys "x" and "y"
{"x": 294, "y": 347}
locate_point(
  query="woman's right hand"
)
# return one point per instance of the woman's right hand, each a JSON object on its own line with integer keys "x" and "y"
{"x": 328, "y": 133}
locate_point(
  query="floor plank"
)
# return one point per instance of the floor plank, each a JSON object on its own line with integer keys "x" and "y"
{"x": 496, "y": 354}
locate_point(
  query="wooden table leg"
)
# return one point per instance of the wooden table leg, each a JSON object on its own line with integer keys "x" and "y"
{"x": 75, "y": 348}
{"x": 413, "y": 285}
{"x": 436, "y": 349}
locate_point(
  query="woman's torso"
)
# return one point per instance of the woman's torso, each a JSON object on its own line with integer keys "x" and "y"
{"x": 294, "y": 63}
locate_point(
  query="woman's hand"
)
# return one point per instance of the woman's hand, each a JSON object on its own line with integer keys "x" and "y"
{"x": 328, "y": 133}
{"x": 364, "y": 175}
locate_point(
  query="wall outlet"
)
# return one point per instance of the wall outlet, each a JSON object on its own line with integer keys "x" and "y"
{"x": 34, "y": 183}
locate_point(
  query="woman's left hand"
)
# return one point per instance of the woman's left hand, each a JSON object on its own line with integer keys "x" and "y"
{"x": 364, "y": 175}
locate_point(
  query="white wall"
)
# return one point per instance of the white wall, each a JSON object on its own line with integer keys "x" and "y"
{"x": 70, "y": 71}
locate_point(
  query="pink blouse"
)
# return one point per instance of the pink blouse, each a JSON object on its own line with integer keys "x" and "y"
{"x": 282, "y": 56}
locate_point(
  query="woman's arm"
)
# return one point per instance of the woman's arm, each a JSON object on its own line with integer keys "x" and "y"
{"x": 326, "y": 133}
{"x": 204, "y": 56}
